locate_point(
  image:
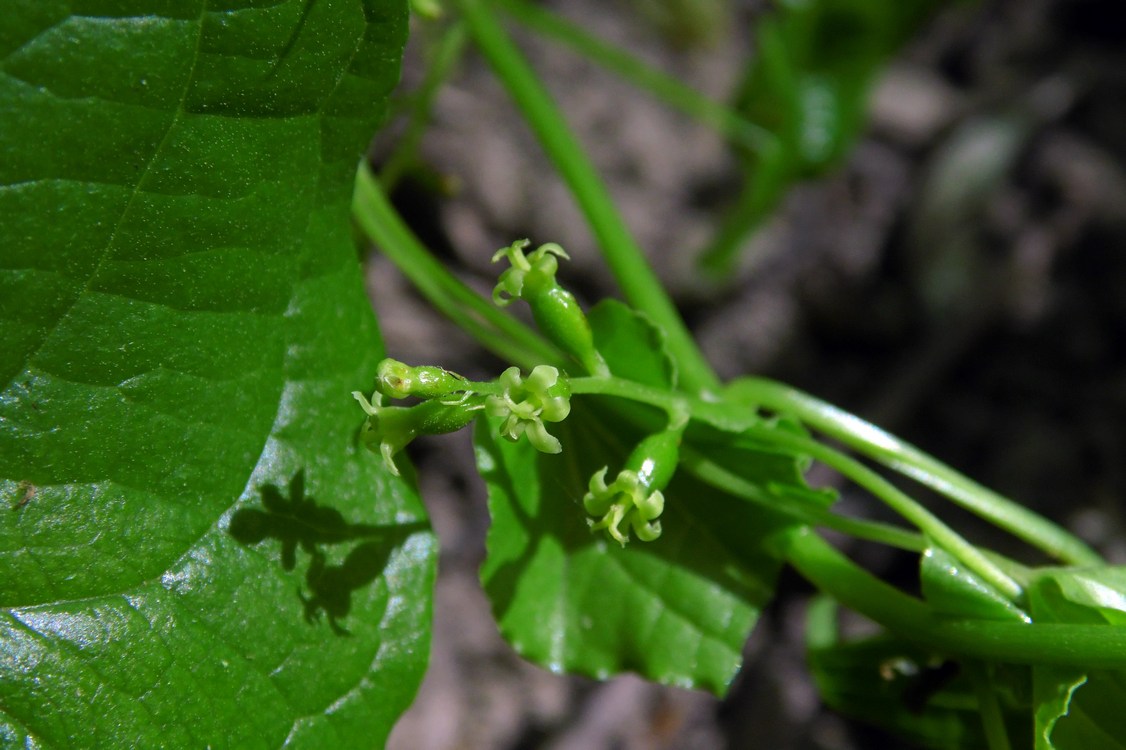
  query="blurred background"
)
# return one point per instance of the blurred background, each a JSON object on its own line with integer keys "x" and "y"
{"x": 955, "y": 272}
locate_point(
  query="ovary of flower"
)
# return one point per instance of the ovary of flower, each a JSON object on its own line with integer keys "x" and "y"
{"x": 526, "y": 403}
{"x": 624, "y": 503}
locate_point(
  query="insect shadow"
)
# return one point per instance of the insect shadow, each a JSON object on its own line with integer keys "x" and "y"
{"x": 298, "y": 522}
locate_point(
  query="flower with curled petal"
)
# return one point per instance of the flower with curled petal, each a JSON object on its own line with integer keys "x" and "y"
{"x": 634, "y": 500}
{"x": 624, "y": 504}
{"x": 537, "y": 269}
{"x": 557, "y": 313}
{"x": 526, "y": 403}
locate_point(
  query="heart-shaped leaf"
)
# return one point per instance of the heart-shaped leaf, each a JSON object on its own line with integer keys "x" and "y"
{"x": 195, "y": 552}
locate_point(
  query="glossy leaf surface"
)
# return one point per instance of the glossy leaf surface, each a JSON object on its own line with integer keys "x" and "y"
{"x": 194, "y": 550}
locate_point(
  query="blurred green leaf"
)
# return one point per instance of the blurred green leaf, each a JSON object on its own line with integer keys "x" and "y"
{"x": 195, "y": 551}
{"x": 952, "y": 590}
{"x": 634, "y": 348}
{"x": 1077, "y": 710}
{"x": 902, "y": 688}
{"x": 807, "y": 85}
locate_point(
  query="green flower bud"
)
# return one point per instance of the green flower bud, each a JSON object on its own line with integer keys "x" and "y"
{"x": 396, "y": 379}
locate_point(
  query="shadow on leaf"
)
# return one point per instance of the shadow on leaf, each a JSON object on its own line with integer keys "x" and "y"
{"x": 298, "y": 522}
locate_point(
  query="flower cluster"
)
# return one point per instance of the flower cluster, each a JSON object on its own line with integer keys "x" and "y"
{"x": 525, "y": 403}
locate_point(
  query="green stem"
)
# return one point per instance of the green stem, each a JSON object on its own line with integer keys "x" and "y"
{"x": 1085, "y": 646}
{"x": 766, "y": 176}
{"x": 992, "y": 719}
{"x": 496, "y": 331}
{"x": 676, "y": 405}
{"x": 443, "y": 58}
{"x": 668, "y": 89}
{"x": 910, "y": 461}
{"x": 626, "y": 261}
{"x": 799, "y": 507}
{"x": 932, "y": 526}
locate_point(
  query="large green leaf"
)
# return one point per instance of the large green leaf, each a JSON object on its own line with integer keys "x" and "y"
{"x": 195, "y": 552}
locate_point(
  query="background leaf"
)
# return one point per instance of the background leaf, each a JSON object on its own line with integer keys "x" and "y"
{"x": 634, "y": 347}
{"x": 195, "y": 551}
{"x": 917, "y": 694}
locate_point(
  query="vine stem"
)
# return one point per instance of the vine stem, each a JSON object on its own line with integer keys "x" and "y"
{"x": 636, "y": 279}
{"x": 1084, "y": 646}
{"x": 933, "y": 527}
{"x": 992, "y": 718}
{"x": 905, "y": 458}
{"x": 664, "y": 87}
{"x": 802, "y": 508}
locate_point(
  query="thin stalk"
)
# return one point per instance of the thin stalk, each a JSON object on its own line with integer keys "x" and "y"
{"x": 496, "y": 331}
{"x": 1085, "y": 646}
{"x": 442, "y": 61}
{"x": 900, "y": 502}
{"x": 801, "y": 508}
{"x": 626, "y": 261}
{"x": 765, "y": 176}
{"x": 912, "y": 462}
{"x": 632, "y": 69}
{"x": 992, "y": 719}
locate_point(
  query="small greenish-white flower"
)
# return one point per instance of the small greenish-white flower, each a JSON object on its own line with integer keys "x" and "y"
{"x": 624, "y": 504}
{"x": 526, "y": 403}
{"x": 635, "y": 499}
{"x": 537, "y": 268}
